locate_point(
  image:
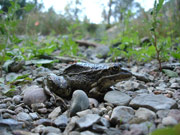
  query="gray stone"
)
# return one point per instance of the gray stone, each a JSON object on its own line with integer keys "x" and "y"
{"x": 175, "y": 113}
{"x": 117, "y": 98}
{"x": 46, "y": 122}
{"x": 74, "y": 133}
{"x": 104, "y": 122}
{"x": 169, "y": 121}
{"x": 145, "y": 128}
{"x": 130, "y": 85}
{"x": 88, "y": 133}
{"x": 83, "y": 113}
{"x": 87, "y": 120}
{"x": 113, "y": 131}
{"x": 98, "y": 128}
{"x": 93, "y": 102}
{"x": 17, "y": 99}
{"x": 34, "y": 116}
{"x": 21, "y": 132}
{"x": 145, "y": 114}
{"x": 22, "y": 116}
{"x": 10, "y": 123}
{"x": 142, "y": 77}
{"x": 71, "y": 124}
{"x": 79, "y": 102}
{"x": 33, "y": 95}
{"x": 50, "y": 129}
{"x": 61, "y": 121}
{"x": 122, "y": 114}
{"x": 153, "y": 102}
{"x": 162, "y": 113}
{"x": 55, "y": 113}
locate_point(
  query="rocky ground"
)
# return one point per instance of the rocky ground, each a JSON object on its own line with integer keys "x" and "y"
{"x": 137, "y": 106}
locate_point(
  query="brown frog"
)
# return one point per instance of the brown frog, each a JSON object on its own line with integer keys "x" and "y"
{"x": 94, "y": 79}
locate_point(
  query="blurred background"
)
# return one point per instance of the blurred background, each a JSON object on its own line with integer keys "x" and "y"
{"x": 95, "y": 18}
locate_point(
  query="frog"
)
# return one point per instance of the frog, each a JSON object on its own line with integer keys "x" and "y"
{"x": 94, "y": 79}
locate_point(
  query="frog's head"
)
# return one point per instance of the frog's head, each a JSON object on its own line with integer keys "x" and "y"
{"x": 114, "y": 74}
{"x": 119, "y": 73}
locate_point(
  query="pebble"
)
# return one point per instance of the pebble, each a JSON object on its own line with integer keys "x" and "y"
{"x": 61, "y": 121}
{"x": 34, "y": 94}
{"x": 117, "y": 98}
{"x": 122, "y": 114}
{"x": 87, "y": 120}
{"x": 22, "y": 116}
{"x": 55, "y": 113}
{"x": 169, "y": 121}
{"x": 145, "y": 114}
{"x": 79, "y": 102}
{"x": 153, "y": 102}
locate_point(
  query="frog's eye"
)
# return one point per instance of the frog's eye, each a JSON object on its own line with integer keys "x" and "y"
{"x": 115, "y": 68}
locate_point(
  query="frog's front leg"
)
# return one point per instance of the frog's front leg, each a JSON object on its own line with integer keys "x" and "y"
{"x": 95, "y": 93}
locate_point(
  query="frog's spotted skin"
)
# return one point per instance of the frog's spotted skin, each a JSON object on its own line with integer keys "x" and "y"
{"x": 92, "y": 78}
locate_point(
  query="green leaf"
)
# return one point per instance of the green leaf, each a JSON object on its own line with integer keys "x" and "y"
{"x": 29, "y": 7}
{"x": 170, "y": 73}
{"x": 159, "y": 5}
{"x": 176, "y": 55}
{"x": 6, "y": 64}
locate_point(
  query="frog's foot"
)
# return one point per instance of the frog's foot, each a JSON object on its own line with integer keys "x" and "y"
{"x": 94, "y": 93}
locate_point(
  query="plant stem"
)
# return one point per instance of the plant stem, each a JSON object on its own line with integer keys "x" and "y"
{"x": 157, "y": 51}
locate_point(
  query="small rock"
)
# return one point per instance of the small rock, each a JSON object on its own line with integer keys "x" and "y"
{"x": 50, "y": 129}
{"x": 121, "y": 114}
{"x": 130, "y": 86}
{"x": 79, "y": 102}
{"x": 98, "y": 128}
{"x": 42, "y": 110}
{"x": 169, "y": 121}
{"x": 38, "y": 129}
{"x": 11, "y": 123}
{"x": 45, "y": 122}
{"x": 71, "y": 124}
{"x": 21, "y": 132}
{"x": 145, "y": 114}
{"x": 175, "y": 86}
{"x": 113, "y": 131}
{"x": 34, "y": 116}
{"x": 37, "y": 106}
{"x": 153, "y": 102}
{"x": 83, "y": 113}
{"x": 143, "y": 77}
{"x": 162, "y": 113}
{"x": 74, "y": 133}
{"x": 22, "y": 116}
{"x": 87, "y": 120}
{"x": 93, "y": 102}
{"x": 34, "y": 94}
{"x": 55, "y": 113}
{"x": 145, "y": 128}
{"x": 61, "y": 121}
{"x": 17, "y": 99}
{"x": 88, "y": 133}
{"x": 104, "y": 122}
{"x": 175, "y": 113}
{"x": 117, "y": 98}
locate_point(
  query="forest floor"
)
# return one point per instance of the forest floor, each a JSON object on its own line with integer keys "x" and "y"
{"x": 149, "y": 100}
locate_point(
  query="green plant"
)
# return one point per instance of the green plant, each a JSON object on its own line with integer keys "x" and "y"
{"x": 155, "y": 22}
{"x": 8, "y": 27}
{"x": 68, "y": 46}
{"x": 167, "y": 131}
